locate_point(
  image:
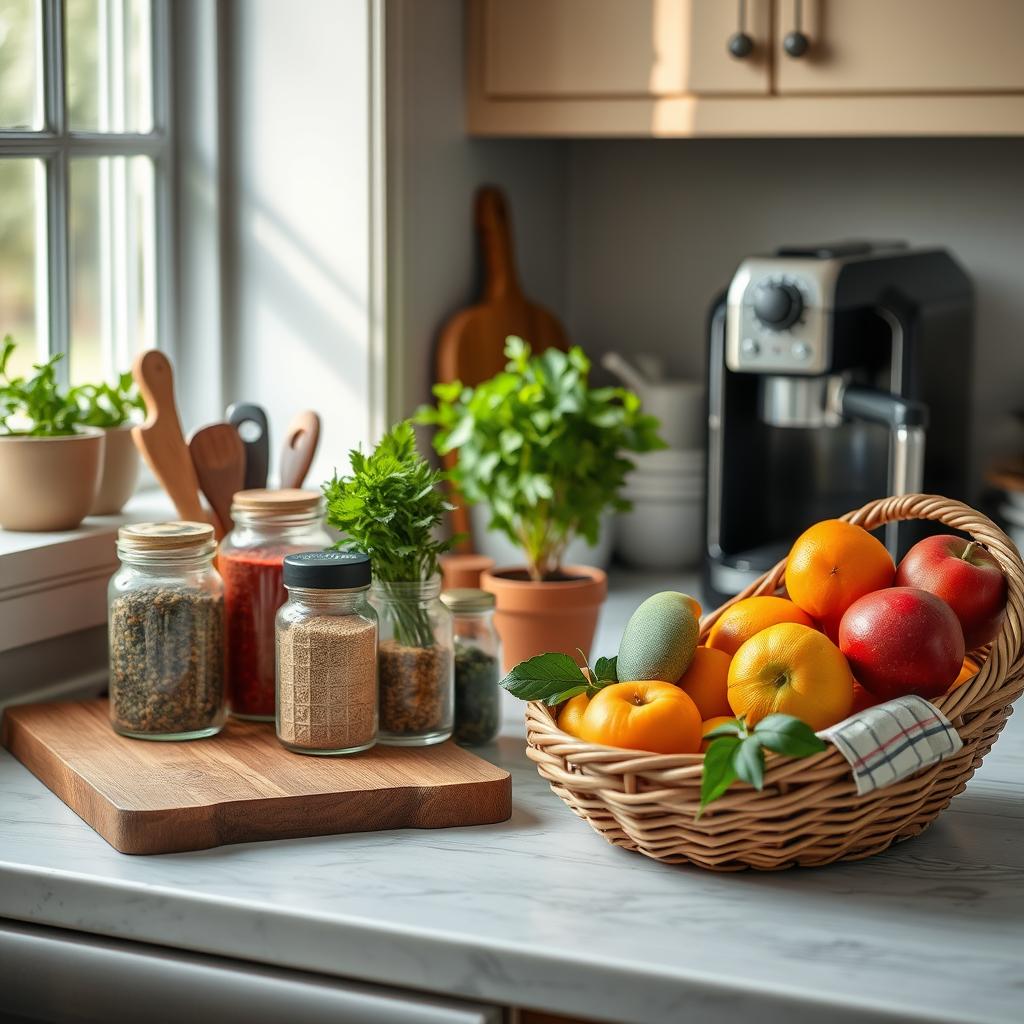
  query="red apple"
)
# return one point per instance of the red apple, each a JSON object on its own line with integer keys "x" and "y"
{"x": 965, "y": 576}
{"x": 902, "y": 640}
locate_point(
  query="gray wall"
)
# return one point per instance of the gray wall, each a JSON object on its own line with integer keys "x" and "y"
{"x": 656, "y": 228}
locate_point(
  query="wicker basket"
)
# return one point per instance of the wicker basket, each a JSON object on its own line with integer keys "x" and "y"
{"x": 809, "y": 812}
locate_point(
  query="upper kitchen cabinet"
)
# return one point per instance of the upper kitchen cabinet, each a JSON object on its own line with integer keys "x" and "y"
{"x": 744, "y": 67}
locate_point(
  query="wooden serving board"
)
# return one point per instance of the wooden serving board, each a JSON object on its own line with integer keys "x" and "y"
{"x": 242, "y": 785}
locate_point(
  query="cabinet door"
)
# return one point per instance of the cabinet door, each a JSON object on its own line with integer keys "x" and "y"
{"x": 893, "y": 46}
{"x": 621, "y": 48}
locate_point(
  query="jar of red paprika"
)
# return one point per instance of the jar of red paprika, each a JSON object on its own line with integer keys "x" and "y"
{"x": 268, "y": 526}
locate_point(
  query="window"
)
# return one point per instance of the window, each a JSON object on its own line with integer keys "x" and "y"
{"x": 84, "y": 181}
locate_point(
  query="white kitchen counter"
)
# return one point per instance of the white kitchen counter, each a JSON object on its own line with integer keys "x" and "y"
{"x": 541, "y": 912}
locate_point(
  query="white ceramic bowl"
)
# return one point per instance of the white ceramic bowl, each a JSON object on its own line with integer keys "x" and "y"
{"x": 661, "y": 533}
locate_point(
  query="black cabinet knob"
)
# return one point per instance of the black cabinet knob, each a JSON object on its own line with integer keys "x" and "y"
{"x": 740, "y": 45}
{"x": 796, "y": 44}
{"x": 778, "y": 305}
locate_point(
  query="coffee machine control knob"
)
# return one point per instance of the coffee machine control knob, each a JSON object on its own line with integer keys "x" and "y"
{"x": 778, "y": 305}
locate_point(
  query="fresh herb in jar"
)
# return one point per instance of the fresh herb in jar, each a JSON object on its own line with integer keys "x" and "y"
{"x": 477, "y": 696}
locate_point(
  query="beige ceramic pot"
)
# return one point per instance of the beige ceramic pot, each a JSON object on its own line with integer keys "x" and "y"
{"x": 556, "y": 616}
{"x": 120, "y": 472}
{"x": 49, "y": 483}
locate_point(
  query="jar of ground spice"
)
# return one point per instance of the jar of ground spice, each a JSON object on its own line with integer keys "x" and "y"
{"x": 327, "y": 655}
{"x": 268, "y": 526}
{"x": 416, "y": 663}
{"x": 166, "y": 628}
{"x": 477, "y": 665}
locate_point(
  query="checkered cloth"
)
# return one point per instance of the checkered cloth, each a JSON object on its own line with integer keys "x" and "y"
{"x": 890, "y": 741}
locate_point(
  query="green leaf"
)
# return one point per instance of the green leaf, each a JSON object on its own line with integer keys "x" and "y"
{"x": 727, "y": 729}
{"x": 543, "y": 677}
{"x": 605, "y": 670}
{"x": 573, "y": 691}
{"x": 748, "y": 761}
{"x": 788, "y": 735}
{"x": 719, "y": 772}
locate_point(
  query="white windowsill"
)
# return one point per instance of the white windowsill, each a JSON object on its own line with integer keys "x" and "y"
{"x": 55, "y": 583}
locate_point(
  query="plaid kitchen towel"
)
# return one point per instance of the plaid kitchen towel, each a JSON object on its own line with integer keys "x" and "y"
{"x": 890, "y": 741}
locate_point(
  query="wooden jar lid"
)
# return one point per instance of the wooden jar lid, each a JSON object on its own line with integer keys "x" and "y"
{"x": 271, "y": 502}
{"x": 174, "y": 536}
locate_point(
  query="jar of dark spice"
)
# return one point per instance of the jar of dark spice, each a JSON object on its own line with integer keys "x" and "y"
{"x": 268, "y": 526}
{"x": 327, "y": 655}
{"x": 166, "y": 628}
{"x": 415, "y": 663}
{"x": 477, "y": 665}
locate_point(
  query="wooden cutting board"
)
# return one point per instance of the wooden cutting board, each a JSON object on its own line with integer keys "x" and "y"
{"x": 242, "y": 785}
{"x": 471, "y": 347}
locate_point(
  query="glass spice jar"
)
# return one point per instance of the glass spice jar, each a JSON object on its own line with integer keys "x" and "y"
{"x": 477, "y": 665}
{"x": 268, "y": 526}
{"x": 327, "y": 655}
{"x": 165, "y": 614}
{"x": 415, "y": 663}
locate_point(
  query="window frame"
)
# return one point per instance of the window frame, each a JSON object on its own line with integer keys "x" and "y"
{"x": 56, "y": 145}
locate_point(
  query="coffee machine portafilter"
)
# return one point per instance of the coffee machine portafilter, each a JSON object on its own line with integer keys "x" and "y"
{"x": 836, "y": 374}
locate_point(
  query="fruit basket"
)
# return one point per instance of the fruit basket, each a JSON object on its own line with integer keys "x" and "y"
{"x": 808, "y": 813}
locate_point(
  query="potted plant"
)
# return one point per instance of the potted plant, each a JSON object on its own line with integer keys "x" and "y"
{"x": 49, "y": 463}
{"x": 389, "y": 507}
{"x": 547, "y": 453}
{"x": 114, "y": 409}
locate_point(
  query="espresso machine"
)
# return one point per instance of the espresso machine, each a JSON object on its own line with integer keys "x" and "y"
{"x": 836, "y": 374}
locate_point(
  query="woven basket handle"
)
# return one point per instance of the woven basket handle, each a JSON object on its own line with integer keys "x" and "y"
{"x": 1008, "y": 650}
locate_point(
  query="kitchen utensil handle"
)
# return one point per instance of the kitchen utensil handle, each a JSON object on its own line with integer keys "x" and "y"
{"x": 257, "y": 452}
{"x": 495, "y": 232}
{"x": 300, "y": 445}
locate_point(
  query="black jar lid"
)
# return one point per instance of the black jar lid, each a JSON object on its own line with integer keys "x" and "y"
{"x": 327, "y": 570}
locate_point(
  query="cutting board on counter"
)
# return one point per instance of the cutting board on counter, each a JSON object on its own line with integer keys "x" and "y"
{"x": 242, "y": 785}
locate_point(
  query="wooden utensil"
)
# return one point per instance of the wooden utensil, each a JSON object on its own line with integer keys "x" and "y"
{"x": 242, "y": 785}
{"x": 299, "y": 449}
{"x": 472, "y": 343}
{"x": 218, "y": 455}
{"x": 160, "y": 439}
{"x": 251, "y": 419}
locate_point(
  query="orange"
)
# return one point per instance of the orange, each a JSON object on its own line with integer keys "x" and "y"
{"x": 646, "y": 715}
{"x": 831, "y": 565}
{"x": 709, "y": 724}
{"x": 571, "y": 715}
{"x": 792, "y": 669}
{"x": 739, "y": 622}
{"x": 970, "y": 668}
{"x": 706, "y": 682}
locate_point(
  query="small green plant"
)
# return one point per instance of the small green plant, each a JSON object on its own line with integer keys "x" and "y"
{"x": 388, "y": 507}
{"x": 109, "y": 405}
{"x": 542, "y": 448}
{"x": 37, "y": 405}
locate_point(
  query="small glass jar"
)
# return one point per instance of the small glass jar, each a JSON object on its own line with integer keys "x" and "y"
{"x": 165, "y": 615}
{"x": 477, "y": 665}
{"x": 327, "y": 655}
{"x": 415, "y": 663}
{"x": 268, "y": 526}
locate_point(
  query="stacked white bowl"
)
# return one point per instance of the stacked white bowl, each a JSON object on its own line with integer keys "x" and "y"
{"x": 664, "y": 530}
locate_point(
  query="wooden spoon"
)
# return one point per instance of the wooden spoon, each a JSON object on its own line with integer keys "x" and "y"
{"x": 160, "y": 439}
{"x": 300, "y": 443}
{"x": 219, "y": 457}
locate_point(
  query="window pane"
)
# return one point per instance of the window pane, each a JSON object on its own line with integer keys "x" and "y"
{"x": 20, "y": 92}
{"x": 112, "y": 222}
{"x": 21, "y": 275}
{"x": 109, "y": 65}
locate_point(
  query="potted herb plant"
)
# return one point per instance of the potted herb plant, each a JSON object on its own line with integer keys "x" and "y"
{"x": 50, "y": 463}
{"x": 389, "y": 507}
{"x": 547, "y": 452}
{"x": 114, "y": 409}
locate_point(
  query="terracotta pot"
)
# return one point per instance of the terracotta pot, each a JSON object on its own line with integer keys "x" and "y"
{"x": 120, "y": 472}
{"x": 49, "y": 483}
{"x": 535, "y": 618}
{"x": 462, "y": 572}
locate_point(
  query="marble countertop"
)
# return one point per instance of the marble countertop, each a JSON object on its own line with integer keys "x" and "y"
{"x": 540, "y": 911}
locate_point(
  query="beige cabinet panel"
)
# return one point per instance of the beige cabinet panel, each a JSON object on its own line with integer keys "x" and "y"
{"x": 621, "y": 48}
{"x": 898, "y": 46}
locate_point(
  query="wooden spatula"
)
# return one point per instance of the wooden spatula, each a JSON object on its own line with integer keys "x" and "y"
{"x": 219, "y": 457}
{"x": 160, "y": 440}
{"x": 251, "y": 422}
{"x": 299, "y": 449}
{"x": 471, "y": 347}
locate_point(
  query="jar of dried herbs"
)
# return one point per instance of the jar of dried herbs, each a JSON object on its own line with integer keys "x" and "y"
{"x": 327, "y": 655}
{"x": 268, "y": 526}
{"x": 166, "y": 629}
{"x": 415, "y": 663}
{"x": 477, "y": 665}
